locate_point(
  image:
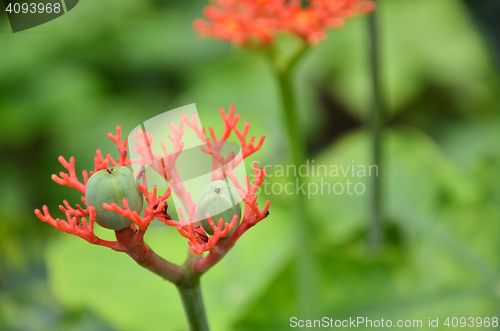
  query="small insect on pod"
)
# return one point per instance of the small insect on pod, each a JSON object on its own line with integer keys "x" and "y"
{"x": 220, "y": 200}
{"x": 112, "y": 185}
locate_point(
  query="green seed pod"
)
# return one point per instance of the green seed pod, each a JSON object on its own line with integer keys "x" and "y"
{"x": 219, "y": 200}
{"x": 112, "y": 185}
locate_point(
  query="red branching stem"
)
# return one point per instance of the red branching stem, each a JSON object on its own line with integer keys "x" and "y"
{"x": 122, "y": 148}
{"x": 187, "y": 230}
{"x": 251, "y": 216}
{"x": 69, "y": 179}
{"x": 130, "y": 240}
{"x": 164, "y": 164}
{"x": 174, "y": 179}
{"x": 79, "y": 211}
{"x": 218, "y": 232}
{"x": 147, "y": 258}
{"x": 141, "y": 222}
{"x": 144, "y": 150}
{"x": 158, "y": 205}
{"x": 76, "y": 225}
{"x": 248, "y": 148}
{"x": 99, "y": 162}
{"x": 215, "y": 145}
{"x": 199, "y": 132}
{"x": 230, "y": 120}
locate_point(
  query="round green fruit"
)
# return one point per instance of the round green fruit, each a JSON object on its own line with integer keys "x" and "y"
{"x": 112, "y": 185}
{"x": 219, "y": 200}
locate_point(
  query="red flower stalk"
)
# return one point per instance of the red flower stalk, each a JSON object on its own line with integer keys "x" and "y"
{"x": 256, "y": 22}
{"x": 130, "y": 239}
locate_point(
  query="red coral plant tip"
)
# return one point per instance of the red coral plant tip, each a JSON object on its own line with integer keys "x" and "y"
{"x": 122, "y": 148}
{"x": 218, "y": 232}
{"x": 200, "y": 245}
{"x": 252, "y": 215}
{"x": 200, "y": 132}
{"x": 100, "y": 163}
{"x": 148, "y": 157}
{"x": 230, "y": 121}
{"x": 158, "y": 205}
{"x": 79, "y": 211}
{"x": 141, "y": 222}
{"x": 250, "y": 148}
{"x": 186, "y": 229}
{"x": 76, "y": 226}
{"x": 69, "y": 179}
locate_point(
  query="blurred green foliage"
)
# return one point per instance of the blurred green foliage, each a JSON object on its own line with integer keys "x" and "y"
{"x": 67, "y": 83}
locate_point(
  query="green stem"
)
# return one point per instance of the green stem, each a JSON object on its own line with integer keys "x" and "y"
{"x": 190, "y": 292}
{"x": 376, "y": 125}
{"x": 295, "y": 135}
{"x": 304, "y": 266}
{"x": 194, "y": 308}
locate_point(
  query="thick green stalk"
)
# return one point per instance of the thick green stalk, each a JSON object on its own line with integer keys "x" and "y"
{"x": 194, "y": 308}
{"x": 184, "y": 277}
{"x": 192, "y": 299}
{"x": 376, "y": 124}
{"x": 304, "y": 266}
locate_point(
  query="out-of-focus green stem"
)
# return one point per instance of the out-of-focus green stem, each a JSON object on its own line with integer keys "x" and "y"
{"x": 377, "y": 119}
{"x": 305, "y": 266}
{"x": 295, "y": 135}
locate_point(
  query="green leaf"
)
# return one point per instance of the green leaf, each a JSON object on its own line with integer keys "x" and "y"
{"x": 440, "y": 258}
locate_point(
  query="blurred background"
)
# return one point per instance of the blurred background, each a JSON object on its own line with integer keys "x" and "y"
{"x": 65, "y": 84}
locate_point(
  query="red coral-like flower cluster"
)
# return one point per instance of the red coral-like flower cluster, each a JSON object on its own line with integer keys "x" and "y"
{"x": 130, "y": 240}
{"x": 256, "y": 22}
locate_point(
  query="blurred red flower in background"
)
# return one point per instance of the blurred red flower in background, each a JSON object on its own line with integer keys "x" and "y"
{"x": 256, "y": 22}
